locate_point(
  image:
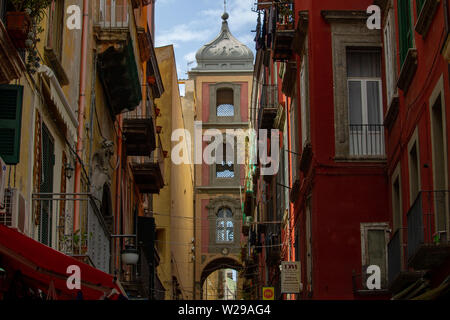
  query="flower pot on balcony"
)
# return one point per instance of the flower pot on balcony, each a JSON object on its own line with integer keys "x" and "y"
{"x": 158, "y": 129}
{"x": 18, "y": 25}
{"x": 130, "y": 256}
{"x": 151, "y": 80}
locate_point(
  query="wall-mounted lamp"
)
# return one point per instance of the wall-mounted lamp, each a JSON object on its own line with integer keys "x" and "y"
{"x": 68, "y": 170}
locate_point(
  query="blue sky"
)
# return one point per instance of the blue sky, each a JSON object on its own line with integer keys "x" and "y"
{"x": 189, "y": 24}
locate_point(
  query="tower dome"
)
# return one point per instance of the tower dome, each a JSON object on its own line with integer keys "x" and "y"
{"x": 224, "y": 53}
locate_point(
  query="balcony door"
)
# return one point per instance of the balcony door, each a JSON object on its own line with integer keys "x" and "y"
{"x": 46, "y": 186}
{"x": 366, "y": 132}
{"x": 113, "y": 13}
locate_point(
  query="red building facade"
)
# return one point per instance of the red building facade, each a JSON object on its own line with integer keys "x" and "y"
{"x": 354, "y": 98}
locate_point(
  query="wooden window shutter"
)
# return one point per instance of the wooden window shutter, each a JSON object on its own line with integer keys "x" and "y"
{"x": 405, "y": 28}
{"x": 11, "y": 98}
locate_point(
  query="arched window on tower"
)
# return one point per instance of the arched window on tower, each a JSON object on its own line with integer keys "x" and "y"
{"x": 224, "y": 166}
{"x": 224, "y": 226}
{"x": 225, "y": 102}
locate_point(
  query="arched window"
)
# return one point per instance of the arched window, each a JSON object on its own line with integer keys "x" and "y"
{"x": 225, "y": 226}
{"x": 224, "y": 168}
{"x": 225, "y": 102}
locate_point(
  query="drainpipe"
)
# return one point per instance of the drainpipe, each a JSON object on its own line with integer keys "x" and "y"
{"x": 81, "y": 107}
{"x": 118, "y": 191}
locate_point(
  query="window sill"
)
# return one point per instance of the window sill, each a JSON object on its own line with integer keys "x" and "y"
{"x": 426, "y": 16}
{"x": 392, "y": 112}
{"x": 408, "y": 71}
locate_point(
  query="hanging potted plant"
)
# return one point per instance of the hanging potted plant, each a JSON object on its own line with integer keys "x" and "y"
{"x": 18, "y": 24}
{"x": 151, "y": 80}
{"x": 24, "y": 27}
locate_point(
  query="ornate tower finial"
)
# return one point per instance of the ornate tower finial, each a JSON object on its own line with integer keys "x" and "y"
{"x": 225, "y": 15}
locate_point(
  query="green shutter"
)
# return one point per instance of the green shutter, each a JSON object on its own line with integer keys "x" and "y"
{"x": 11, "y": 97}
{"x": 405, "y": 28}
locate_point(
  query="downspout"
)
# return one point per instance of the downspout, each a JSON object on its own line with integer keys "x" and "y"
{"x": 81, "y": 107}
{"x": 118, "y": 192}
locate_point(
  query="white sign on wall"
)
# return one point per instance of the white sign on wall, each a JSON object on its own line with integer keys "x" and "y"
{"x": 290, "y": 277}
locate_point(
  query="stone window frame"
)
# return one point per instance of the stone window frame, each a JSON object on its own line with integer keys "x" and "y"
{"x": 213, "y": 89}
{"x": 397, "y": 176}
{"x": 439, "y": 93}
{"x": 414, "y": 142}
{"x": 213, "y": 208}
{"x": 348, "y": 33}
{"x": 229, "y": 182}
{"x": 364, "y": 230}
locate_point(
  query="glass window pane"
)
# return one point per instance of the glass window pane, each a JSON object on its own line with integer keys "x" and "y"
{"x": 225, "y": 110}
{"x": 355, "y": 102}
{"x": 363, "y": 63}
{"x": 376, "y": 247}
{"x": 373, "y": 102}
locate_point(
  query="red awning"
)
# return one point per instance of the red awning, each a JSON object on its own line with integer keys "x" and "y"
{"x": 42, "y": 265}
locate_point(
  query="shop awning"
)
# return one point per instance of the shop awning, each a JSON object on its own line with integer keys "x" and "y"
{"x": 42, "y": 265}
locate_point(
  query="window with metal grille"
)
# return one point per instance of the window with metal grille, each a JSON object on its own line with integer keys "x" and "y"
{"x": 225, "y": 225}
{"x": 225, "y": 102}
{"x": 406, "y": 33}
{"x": 224, "y": 166}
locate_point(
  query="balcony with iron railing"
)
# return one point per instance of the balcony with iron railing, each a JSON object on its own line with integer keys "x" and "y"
{"x": 149, "y": 171}
{"x": 91, "y": 242}
{"x": 399, "y": 275}
{"x": 367, "y": 140}
{"x": 139, "y": 130}
{"x": 112, "y": 14}
{"x": 268, "y": 106}
{"x": 428, "y": 237}
{"x": 284, "y": 30}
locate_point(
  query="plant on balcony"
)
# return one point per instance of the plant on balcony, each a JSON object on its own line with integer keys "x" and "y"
{"x": 285, "y": 15}
{"x": 24, "y": 26}
{"x": 79, "y": 242}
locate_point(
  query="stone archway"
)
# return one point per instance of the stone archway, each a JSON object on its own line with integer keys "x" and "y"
{"x": 219, "y": 264}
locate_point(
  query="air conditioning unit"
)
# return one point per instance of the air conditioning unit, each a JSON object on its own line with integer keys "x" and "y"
{"x": 2, "y": 184}
{"x": 14, "y": 215}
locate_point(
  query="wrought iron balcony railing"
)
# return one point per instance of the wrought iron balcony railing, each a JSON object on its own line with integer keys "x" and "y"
{"x": 428, "y": 238}
{"x": 112, "y": 14}
{"x": 91, "y": 243}
{"x": 395, "y": 256}
{"x": 285, "y": 15}
{"x": 366, "y": 140}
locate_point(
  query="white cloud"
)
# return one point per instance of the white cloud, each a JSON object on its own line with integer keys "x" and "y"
{"x": 190, "y": 56}
{"x": 181, "y": 33}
